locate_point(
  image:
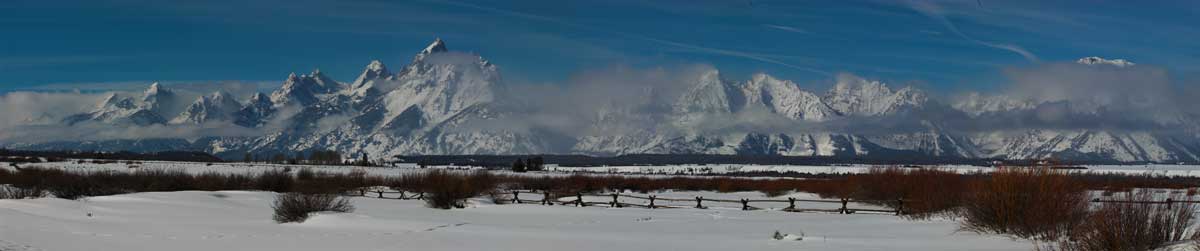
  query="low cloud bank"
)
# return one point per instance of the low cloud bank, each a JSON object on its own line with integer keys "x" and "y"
{"x": 623, "y": 100}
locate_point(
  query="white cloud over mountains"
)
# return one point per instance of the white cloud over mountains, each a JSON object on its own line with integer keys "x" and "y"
{"x": 1070, "y": 95}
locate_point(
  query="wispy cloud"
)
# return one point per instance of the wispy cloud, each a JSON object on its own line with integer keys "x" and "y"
{"x": 26, "y": 62}
{"x": 200, "y": 86}
{"x": 682, "y": 45}
{"x": 934, "y": 11}
{"x": 932, "y": 32}
{"x": 787, "y": 28}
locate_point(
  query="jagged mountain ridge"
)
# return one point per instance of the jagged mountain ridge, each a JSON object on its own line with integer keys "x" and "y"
{"x": 443, "y": 101}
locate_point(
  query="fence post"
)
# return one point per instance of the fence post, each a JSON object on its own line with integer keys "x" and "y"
{"x": 516, "y": 199}
{"x": 402, "y": 197}
{"x": 421, "y": 196}
{"x": 745, "y": 204}
{"x": 579, "y": 200}
{"x": 844, "y": 210}
{"x": 652, "y": 201}
{"x": 614, "y": 202}
{"x": 899, "y": 206}
{"x": 362, "y": 192}
{"x": 380, "y": 194}
{"x": 1169, "y": 201}
{"x": 698, "y": 199}
{"x": 791, "y": 203}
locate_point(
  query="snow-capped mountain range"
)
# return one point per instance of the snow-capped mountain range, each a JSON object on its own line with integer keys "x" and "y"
{"x": 446, "y": 102}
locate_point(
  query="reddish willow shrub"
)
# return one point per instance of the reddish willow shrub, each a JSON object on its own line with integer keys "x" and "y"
{"x": 1033, "y": 203}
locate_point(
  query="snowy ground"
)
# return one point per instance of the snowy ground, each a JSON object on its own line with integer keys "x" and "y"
{"x": 238, "y": 220}
{"x": 235, "y": 220}
{"x": 232, "y": 167}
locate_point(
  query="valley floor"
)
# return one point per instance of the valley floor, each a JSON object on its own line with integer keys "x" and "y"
{"x": 239, "y": 220}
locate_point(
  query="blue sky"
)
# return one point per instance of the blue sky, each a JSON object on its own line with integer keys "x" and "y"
{"x": 940, "y": 45}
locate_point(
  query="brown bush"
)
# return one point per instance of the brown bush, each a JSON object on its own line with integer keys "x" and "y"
{"x": 78, "y": 184}
{"x": 9, "y": 192}
{"x": 276, "y": 180}
{"x": 305, "y": 174}
{"x": 295, "y": 207}
{"x": 65, "y": 184}
{"x": 926, "y": 191}
{"x": 1033, "y": 203}
{"x": 214, "y": 181}
{"x": 1125, "y": 226}
{"x": 446, "y": 189}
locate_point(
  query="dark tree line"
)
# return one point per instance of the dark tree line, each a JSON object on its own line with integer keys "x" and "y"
{"x": 317, "y": 157}
{"x": 530, "y": 164}
{"x": 325, "y": 157}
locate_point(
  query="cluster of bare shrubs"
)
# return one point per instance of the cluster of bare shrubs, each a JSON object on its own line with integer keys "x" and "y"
{"x": 79, "y": 184}
{"x": 1052, "y": 207}
{"x": 10, "y": 192}
{"x": 926, "y": 192}
{"x": 1039, "y": 203}
{"x": 21, "y": 159}
{"x": 296, "y": 206}
{"x": 447, "y": 189}
{"x": 1034, "y": 203}
{"x": 1127, "y": 224}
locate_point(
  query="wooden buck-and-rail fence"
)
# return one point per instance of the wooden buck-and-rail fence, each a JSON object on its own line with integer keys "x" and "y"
{"x": 1169, "y": 201}
{"x": 579, "y": 200}
{"x": 614, "y": 201}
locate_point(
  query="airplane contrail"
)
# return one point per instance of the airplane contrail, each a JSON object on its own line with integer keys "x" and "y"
{"x": 934, "y": 12}
{"x": 698, "y": 48}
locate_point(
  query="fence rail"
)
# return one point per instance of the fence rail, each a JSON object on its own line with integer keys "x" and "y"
{"x": 578, "y": 200}
{"x": 380, "y": 194}
{"x": 1168, "y": 201}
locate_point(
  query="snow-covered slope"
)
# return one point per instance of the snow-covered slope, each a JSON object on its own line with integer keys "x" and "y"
{"x": 218, "y": 106}
{"x": 707, "y": 95}
{"x": 1102, "y": 61}
{"x": 304, "y": 89}
{"x": 160, "y": 100}
{"x": 255, "y": 111}
{"x": 855, "y": 96}
{"x": 119, "y": 110}
{"x": 785, "y": 98}
{"x": 976, "y": 104}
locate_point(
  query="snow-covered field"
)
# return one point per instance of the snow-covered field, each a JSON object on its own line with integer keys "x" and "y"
{"x": 241, "y": 220}
{"x": 237, "y": 220}
{"x": 201, "y": 167}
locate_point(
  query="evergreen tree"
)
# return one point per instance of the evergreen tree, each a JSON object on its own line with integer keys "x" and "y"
{"x": 365, "y": 161}
{"x": 536, "y": 164}
{"x": 335, "y": 157}
{"x": 518, "y": 166}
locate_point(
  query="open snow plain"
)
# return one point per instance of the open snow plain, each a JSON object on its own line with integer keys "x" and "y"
{"x": 240, "y": 220}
